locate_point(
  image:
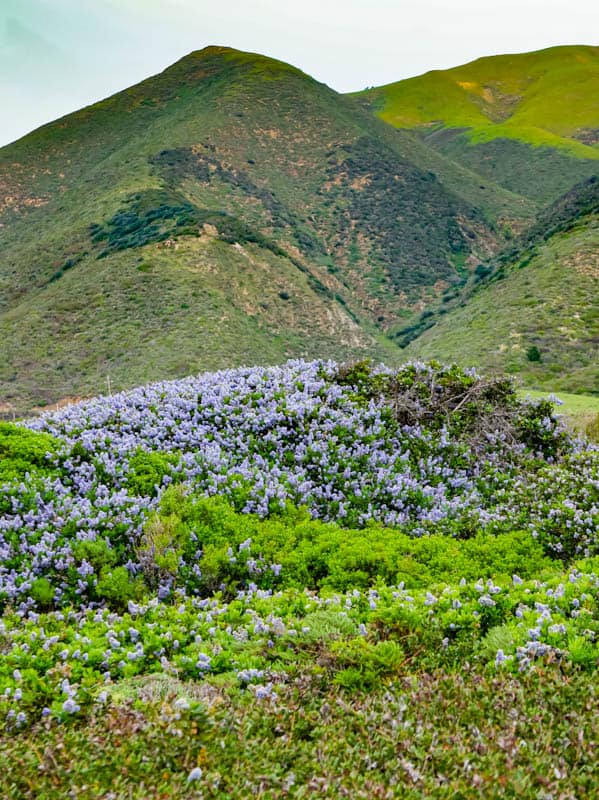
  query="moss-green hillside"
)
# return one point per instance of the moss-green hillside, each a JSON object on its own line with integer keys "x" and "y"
{"x": 528, "y": 121}
{"x": 536, "y": 317}
{"x": 166, "y": 311}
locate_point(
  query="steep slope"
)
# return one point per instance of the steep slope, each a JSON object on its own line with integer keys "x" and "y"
{"x": 529, "y": 122}
{"x": 165, "y": 217}
{"x": 533, "y": 311}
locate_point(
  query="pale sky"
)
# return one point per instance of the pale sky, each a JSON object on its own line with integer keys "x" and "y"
{"x": 59, "y": 55}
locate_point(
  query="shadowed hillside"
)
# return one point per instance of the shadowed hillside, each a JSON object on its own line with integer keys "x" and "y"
{"x": 531, "y": 311}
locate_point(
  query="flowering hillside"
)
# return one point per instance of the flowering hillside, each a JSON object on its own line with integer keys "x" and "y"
{"x": 255, "y": 531}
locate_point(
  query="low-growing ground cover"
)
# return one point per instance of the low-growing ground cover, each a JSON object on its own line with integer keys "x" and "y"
{"x": 280, "y": 581}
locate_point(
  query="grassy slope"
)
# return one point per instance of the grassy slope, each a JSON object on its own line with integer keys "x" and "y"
{"x": 547, "y": 299}
{"x": 580, "y": 411}
{"x": 168, "y": 312}
{"x": 309, "y": 174}
{"x": 534, "y": 111}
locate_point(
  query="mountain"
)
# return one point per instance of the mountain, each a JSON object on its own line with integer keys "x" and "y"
{"x": 233, "y": 210}
{"x": 528, "y": 122}
{"x": 230, "y": 210}
{"x": 532, "y": 311}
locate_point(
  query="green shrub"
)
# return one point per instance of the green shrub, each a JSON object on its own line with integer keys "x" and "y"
{"x": 23, "y": 451}
{"x": 363, "y": 664}
{"x": 118, "y": 587}
{"x": 533, "y": 353}
{"x": 97, "y": 552}
{"x": 42, "y": 592}
{"x": 147, "y": 471}
{"x": 323, "y": 625}
{"x": 164, "y": 542}
{"x": 234, "y": 549}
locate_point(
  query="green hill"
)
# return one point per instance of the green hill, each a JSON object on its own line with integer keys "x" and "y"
{"x": 532, "y": 311}
{"x": 229, "y": 210}
{"x": 529, "y": 122}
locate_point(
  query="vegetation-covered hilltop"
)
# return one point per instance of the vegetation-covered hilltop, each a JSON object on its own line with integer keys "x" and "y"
{"x": 311, "y": 579}
{"x": 231, "y": 210}
{"x": 528, "y": 121}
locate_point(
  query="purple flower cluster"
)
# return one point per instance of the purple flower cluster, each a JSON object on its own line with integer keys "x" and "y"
{"x": 264, "y": 437}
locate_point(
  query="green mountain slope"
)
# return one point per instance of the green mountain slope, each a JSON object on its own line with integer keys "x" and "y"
{"x": 529, "y": 121}
{"x": 164, "y": 218}
{"x": 534, "y": 313}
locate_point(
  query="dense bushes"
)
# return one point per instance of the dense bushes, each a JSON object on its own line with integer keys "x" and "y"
{"x": 59, "y": 663}
{"x": 157, "y": 215}
{"x": 409, "y": 243}
{"x": 203, "y": 545}
{"x": 393, "y": 457}
{"x": 261, "y": 528}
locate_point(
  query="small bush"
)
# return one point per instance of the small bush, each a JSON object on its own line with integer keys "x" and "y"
{"x": 364, "y": 664}
{"x": 533, "y": 353}
{"x": 117, "y": 587}
{"x": 23, "y": 451}
{"x": 42, "y": 592}
{"x": 147, "y": 471}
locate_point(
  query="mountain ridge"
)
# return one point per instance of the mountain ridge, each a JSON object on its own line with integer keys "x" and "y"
{"x": 225, "y": 164}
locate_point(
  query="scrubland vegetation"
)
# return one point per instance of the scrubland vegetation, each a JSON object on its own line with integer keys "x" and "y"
{"x": 309, "y": 580}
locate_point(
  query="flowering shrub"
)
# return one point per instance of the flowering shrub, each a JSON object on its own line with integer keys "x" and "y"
{"x": 255, "y": 529}
{"x": 427, "y": 449}
{"x": 60, "y": 662}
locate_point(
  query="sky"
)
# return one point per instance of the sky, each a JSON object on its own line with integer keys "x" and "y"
{"x": 57, "y": 56}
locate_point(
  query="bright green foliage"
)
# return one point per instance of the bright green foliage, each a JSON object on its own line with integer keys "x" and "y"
{"x": 23, "y": 451}
{"x": 117, "y": 587}
{"x": 315, "y": 555}
{"x": 96, "y": 551}
{"x": 165, "y": 540}
{"x": 148, "y": 471}
{"x": 42, "y": 592}
{"x": 365, "y": 664}
{"x": 541, "y": 98}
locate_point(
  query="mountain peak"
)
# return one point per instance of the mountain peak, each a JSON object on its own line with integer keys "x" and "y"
{"x": 221, "y": 56}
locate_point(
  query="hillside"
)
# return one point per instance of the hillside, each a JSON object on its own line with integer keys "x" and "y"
{"x": 230, "y": 210}
{"x": 529, "y": 122}
{"x": 533, "y": 310}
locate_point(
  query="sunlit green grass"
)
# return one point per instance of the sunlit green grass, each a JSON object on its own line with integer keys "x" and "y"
{"x": 542, "y": 98}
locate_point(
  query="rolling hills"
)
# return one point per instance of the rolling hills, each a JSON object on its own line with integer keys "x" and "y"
{"x": 529, "y": 121}
{"x": 232, "y": 210}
